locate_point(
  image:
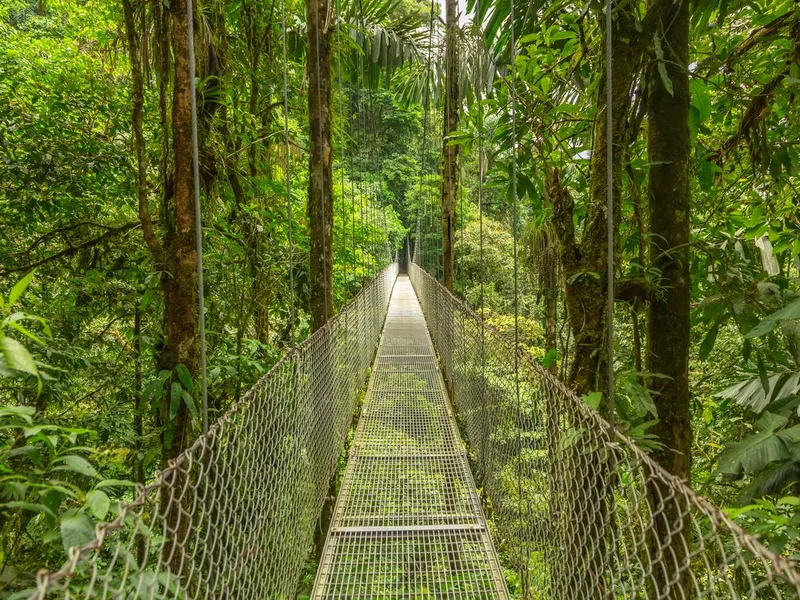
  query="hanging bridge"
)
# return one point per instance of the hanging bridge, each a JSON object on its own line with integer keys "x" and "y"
{"x": 541, "y": 500}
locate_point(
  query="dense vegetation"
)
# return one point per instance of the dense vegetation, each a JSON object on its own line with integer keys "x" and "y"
{"x": 99, "y": 346}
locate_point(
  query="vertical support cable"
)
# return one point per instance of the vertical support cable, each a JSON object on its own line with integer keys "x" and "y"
{"x": 198, "y": 222}
{"x": 513, "y": 91}
{"x": 479, "y": 100}
{"x": 286, "y": 173}
{"x": 419, "y": 254}
{"x": 610, "y": 215}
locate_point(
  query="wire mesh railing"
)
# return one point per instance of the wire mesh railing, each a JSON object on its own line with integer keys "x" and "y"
{"x": 579, "y": 511}
{"x": 234, "y": 515}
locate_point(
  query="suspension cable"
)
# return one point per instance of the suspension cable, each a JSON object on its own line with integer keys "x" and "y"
{"x": 610, "y": 215}
{"x": 513, "y": 91}
{"x": 287, "y": 173}
{"x": 481, "y": 268}
{"x": 419, "y": 257}
{"x": 361, "y": 119}
{"x": 198, "y": 222}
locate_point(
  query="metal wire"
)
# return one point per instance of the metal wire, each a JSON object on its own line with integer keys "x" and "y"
{"x": 610, "y": 213}
{"x": 287, "y": 172}
{"x": 408, "y": 521}
{"x": 248, "y": 494}
{"x": 592, "y": 501}
{"x": 198, "y": 219}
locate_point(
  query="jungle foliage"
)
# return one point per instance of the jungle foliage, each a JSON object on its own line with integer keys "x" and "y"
{"x": 98, "y": 387}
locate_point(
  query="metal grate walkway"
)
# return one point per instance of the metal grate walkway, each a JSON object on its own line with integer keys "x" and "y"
{"x": 408, "y": 522}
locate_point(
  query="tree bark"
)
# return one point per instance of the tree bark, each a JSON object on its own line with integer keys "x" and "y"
{"x": 452, "y": 108}
{"x": 320, "y": 176}
{"x": 320, "y": 215}
{"x": 669, "y": 152}
{"x": 179, "y": 285}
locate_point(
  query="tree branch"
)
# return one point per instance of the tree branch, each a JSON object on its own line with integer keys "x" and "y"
{"x": 72, "y": 250}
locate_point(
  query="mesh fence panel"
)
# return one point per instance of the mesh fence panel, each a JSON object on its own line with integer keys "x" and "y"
{"x": 578, "y": 511}
{"x": 234, "y": 516}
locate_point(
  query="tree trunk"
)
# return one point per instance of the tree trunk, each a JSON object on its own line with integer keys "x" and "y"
{"x": 320, "y": 215}
{"x": 320, "y": 176}
{"x": 452, "y": 108}
{"x": 179, "y": 284}
{"x": 668, "y": 147}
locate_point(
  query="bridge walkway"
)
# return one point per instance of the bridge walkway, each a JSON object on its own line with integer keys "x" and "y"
{"x": 408, "y": 522}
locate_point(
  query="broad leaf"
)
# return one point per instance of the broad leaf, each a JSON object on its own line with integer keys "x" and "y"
{"x": 99, "y": 503}
{"x": 76, "y": 530}
{"x": 31, "y": 506}
{"x": 792, "y": 311}
{"x": 75, "y": 464}
{"x": 185, "y": 377}
{"x": 20, "y": 288}
{"x": 17, "y": 357}
{"x": 769, "y": 444}
{"x": 751, "y": 392}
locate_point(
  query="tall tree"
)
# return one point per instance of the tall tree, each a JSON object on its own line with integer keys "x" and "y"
{"x": 175, "y": 254}
{"x": 452, "y": 108}
{"x": 668, "y": 149}
{"x": 320, "y": 167}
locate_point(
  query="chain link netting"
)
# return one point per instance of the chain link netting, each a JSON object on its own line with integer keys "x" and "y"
{"x": 234, "y": 515}
{"x": 581, "y": 512}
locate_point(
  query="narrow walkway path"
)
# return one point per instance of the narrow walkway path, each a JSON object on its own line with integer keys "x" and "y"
{"x": 408, "y": 522}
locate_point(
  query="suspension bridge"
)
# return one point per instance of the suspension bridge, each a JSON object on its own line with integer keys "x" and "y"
{"x": 542, "y": 494}
{"x": 472, "y": 472}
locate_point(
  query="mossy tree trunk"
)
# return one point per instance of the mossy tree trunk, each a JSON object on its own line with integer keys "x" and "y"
{"x": 320, "y": 175}
{"x": 669, "y": 152}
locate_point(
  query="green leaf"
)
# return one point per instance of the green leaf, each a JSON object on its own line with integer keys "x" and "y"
{"x": 189, "y": 401}
{"x": 17, "y": 357}
{"x": 750, "y": 392}
{"x": 550, "y": 358}
{"x": 76, "y": 530}
{"x": 185, "y": 377}
{"x": 769, "y": 444}
{"x": 114, "y": 483}
{"x": 593, "y": 399}
{"x": 26, "y": 332}
{"x": 99, "y": 503}
{"x": 20, "y": 288}
{"x": 175, "y": 399}
{"x": 662, "y": 66}
{"x": 75, "y": 464}
{"x": 791, "y": 311}
{"x": 707, "y": 345}
{"x": 701, "y": 99}
{"x": 23, "y": 412}
{"x": 31, "y": 506}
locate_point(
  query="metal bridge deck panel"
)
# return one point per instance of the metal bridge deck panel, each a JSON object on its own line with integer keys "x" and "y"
{"x": 408, "y": 521}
